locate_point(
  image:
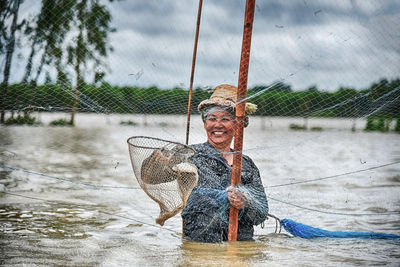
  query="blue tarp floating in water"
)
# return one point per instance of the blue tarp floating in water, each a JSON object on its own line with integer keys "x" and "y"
{"x": 306, "y": 231}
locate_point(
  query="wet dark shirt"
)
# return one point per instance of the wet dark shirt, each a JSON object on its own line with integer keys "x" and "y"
{"x": 206, "y": 213}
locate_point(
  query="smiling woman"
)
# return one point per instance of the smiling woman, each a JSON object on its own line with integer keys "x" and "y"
{"x": 210, "y": 194}
{"x": 207, "y": 193}
{"x": 205, "y": 217}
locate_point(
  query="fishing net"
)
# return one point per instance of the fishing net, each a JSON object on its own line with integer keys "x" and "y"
{"x": 324, "y": 76}
{"x": 164, "y": 171}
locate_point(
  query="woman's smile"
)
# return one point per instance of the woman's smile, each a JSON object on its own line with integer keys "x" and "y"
{"x": 218, "y": 133}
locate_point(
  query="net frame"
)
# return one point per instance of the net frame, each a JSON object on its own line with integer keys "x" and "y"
{"x": 138, "y": 148}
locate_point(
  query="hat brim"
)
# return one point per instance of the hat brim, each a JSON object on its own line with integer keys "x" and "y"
{"x": 249, "y": 109}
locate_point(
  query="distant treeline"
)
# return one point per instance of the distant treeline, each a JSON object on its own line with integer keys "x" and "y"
{"x": 380, "y": 99}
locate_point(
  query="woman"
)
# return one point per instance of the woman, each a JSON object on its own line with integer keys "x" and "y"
{"x": 206, "y": 214}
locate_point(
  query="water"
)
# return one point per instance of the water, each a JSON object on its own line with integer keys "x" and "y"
{"x": 56, "y": 210}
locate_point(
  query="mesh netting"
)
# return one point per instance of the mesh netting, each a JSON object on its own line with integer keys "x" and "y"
{"x": 164, "y": 172}
{"x": 81, "y": 56}
{"x": 324, "y": 76}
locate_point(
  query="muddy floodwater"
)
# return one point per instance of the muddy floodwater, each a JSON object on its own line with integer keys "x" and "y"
{"x": 68, "y": 195}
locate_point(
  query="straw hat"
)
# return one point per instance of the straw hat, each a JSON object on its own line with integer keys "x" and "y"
{"x": 225, "y": 95}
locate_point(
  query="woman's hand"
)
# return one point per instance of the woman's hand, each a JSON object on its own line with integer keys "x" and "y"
{"x": 236, "y": 198}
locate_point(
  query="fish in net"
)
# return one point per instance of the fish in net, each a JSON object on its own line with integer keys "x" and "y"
{"x": 164, "y": 171}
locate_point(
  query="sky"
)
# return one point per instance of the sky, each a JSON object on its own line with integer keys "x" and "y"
{"x": 303, "y": 43}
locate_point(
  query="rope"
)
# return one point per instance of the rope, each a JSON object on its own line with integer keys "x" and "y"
{"x": 334, "y": 176}
{"x": 137, "y": 187}
{"x": 101, "y": 211}
{"x": 334, "y": 213}
{"x": 269, "y": 197}
{"x": 68, "y": 181}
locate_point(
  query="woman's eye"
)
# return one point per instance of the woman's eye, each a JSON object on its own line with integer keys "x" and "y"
{"x": 223, "y": 119}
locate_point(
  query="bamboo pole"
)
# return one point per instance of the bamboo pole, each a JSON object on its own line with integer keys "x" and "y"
{"x": 240, "y": 112}
{"x": 196, "y": 40}
{"x": 192, "y": 73}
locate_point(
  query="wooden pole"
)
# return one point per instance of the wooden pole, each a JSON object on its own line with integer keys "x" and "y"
{"x": 240, "y": 112}
{"x": 192, "y": 73}
{"x": 196, "y": 40}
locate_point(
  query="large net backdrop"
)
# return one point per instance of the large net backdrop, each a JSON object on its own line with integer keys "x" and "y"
{"x": 308, "y": 59}
{"x": 316, "y": 68}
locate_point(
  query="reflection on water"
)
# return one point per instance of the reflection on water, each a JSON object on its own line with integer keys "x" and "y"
{"x": 227, "y": 254}
{"x": 49, "y": 221}
{"x": 56, "y": 212}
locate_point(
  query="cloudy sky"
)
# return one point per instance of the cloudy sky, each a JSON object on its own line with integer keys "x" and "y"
{"x": 300, "y": 42}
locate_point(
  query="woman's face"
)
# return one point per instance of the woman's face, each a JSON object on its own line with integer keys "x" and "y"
{"x": 220, "y": 128}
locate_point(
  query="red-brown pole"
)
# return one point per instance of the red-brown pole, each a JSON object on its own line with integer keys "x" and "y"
{"x": 240, "y": 112}
{"x": 192, "y": 73}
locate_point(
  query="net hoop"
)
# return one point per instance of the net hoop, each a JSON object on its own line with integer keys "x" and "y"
{"x": 141, "y": 148}
{"x": 130, "y": 142}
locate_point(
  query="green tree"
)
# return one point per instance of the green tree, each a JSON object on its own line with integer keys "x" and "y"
{"x": 90, "y": 43}
{"x": 52, "y": 24}
{"x": 9, "y": 12}
{"x": 397, "y": 125}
